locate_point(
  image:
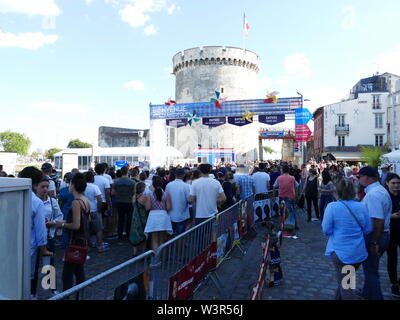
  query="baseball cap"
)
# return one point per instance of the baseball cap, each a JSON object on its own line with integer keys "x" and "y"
{"x": 179, "y": 172}
{"x": 47, "y": 166}
{"x": 368, "y": 171}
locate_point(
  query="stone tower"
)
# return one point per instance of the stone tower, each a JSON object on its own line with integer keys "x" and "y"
{"x": 199, "y": 73}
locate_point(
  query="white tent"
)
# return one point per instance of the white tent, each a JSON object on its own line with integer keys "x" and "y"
{"x": 392, "y": 158}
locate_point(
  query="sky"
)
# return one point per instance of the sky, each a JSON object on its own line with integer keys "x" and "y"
{"x": 68, "y": 67}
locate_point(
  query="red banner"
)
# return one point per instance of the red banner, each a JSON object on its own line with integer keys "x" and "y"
{"x": 182, "y": 284}
{"x": 303, "y": 133}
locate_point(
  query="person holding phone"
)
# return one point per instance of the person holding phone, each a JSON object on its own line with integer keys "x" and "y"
{"x": 393, "y": 186}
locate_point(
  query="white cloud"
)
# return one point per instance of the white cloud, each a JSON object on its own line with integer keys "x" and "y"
{"x": 348, "y": 17}
{"x": 171, "y": 9}
{"x": 150, "y": 30}
{"x": 30, "y": 7}
{"x": 27, "y": 40}
{"x": 88, "y": 2}
{"x": 134, "y": 16}
{"x": 135, "y": 85}
{"x": 56, "y": 107}
{"x": 296, "y": 67}
{"x": 136, "y": 13}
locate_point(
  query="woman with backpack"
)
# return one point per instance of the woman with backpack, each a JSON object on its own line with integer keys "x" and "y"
{"x": 137, "y": 236}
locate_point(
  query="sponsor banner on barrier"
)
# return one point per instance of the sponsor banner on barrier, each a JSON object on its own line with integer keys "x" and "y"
{"x": 221, "y": 247}
{"x": 214, "y": 122}
{"x": 261, "y": 209}
{"x": 182, "y": 284}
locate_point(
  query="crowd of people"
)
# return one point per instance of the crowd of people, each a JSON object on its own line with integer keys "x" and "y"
{"x": 359, "y": 210}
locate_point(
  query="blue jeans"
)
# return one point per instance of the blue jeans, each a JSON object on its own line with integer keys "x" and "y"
{"x": 179, "y": 227}
{"x": 323, "y": 202}
{"x": 290, "y": 205}
{"x": 372, "y": 286}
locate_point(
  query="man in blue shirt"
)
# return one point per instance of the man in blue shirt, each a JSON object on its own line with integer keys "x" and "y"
{"x": 379, "y": 206}
{"x": 38, "y": 229}
{"x": 246, "y": 185}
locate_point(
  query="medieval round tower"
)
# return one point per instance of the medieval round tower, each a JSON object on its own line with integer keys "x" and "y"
{"x": 199, "y": 73}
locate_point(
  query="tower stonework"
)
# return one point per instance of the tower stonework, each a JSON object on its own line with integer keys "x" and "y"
{"x": 199, "y": 73}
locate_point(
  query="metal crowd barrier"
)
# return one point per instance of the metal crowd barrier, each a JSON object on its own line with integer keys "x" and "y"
{"x": 177, "y": 253}
{"x": 102, "y": 286}
{"x": 168, "y": 259}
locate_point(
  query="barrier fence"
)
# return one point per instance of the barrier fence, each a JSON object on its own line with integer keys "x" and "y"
{"x": 177, "y": 267}
{"x": 113, "y": 283}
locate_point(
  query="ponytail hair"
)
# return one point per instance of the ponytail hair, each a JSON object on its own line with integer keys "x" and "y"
{"x": 157, "y": 185}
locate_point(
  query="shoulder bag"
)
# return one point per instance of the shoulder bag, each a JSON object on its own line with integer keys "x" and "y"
{"x": 78, "y": 248}
{"x": 354, "y": 216}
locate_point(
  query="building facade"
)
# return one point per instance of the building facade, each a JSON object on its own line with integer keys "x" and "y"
{"x": 111, "y": 137}
{"x": 393, "y": 116}
{"x": 361, "y": 120}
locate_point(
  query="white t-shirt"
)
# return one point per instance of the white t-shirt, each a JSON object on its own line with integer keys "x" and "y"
{"x": 110, "y": 180}
{"x": 52, "y": 185}
{"x": 261, "y": 182}
{"x": 179, "y": 193}
{"x": 91, "y": 193}
{"x": 103, "y": 184}
{"x": 206, "y": 191}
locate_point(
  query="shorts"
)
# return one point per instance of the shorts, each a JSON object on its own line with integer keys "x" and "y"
{"x": 96, "y": 223}
{"x": 179, "y": 227}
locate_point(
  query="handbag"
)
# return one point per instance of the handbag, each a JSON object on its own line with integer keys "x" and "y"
{"x": 76, "y": 253}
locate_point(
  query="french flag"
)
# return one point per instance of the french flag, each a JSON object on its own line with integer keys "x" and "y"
{"x": 246, "y": 26}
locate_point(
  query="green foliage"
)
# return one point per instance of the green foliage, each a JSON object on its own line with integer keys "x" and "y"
{"x": 35, "y": 155}
{"x": 49, "y": 154}
{"x": 372, "y": 155}
{"x": 76, "y": 143}
{"x": 268, "y": 150}
{"x": 15, "y": 142}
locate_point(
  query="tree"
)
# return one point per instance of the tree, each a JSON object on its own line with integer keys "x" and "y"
{"x": 49, "y": 154}
{"x": 268, "y": 150}
{"x": 15, "y": 142}
{"x": 372, "y": 155}
{"x": 76, "y": 143}
{"x": 35, "y": 155}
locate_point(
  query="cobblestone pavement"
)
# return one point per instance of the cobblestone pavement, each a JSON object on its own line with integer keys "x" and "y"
{"x": 307, "y": 273}
{"x": 98, "y": 262}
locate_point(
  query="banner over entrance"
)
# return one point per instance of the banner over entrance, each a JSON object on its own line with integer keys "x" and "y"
{"x": 234, "y": 108}
{"x": 271, "y": 119}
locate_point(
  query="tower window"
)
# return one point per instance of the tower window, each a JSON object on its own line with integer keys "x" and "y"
{"x": 222, "y": 90}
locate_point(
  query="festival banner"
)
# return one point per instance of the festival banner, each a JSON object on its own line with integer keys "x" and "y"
{"x": 271, "y": 119}
{"x": 181, "y": 284}
{"x": 214, "y": 122}
{"x": 177, "y": 123}
{"x": 238, "y": 121}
